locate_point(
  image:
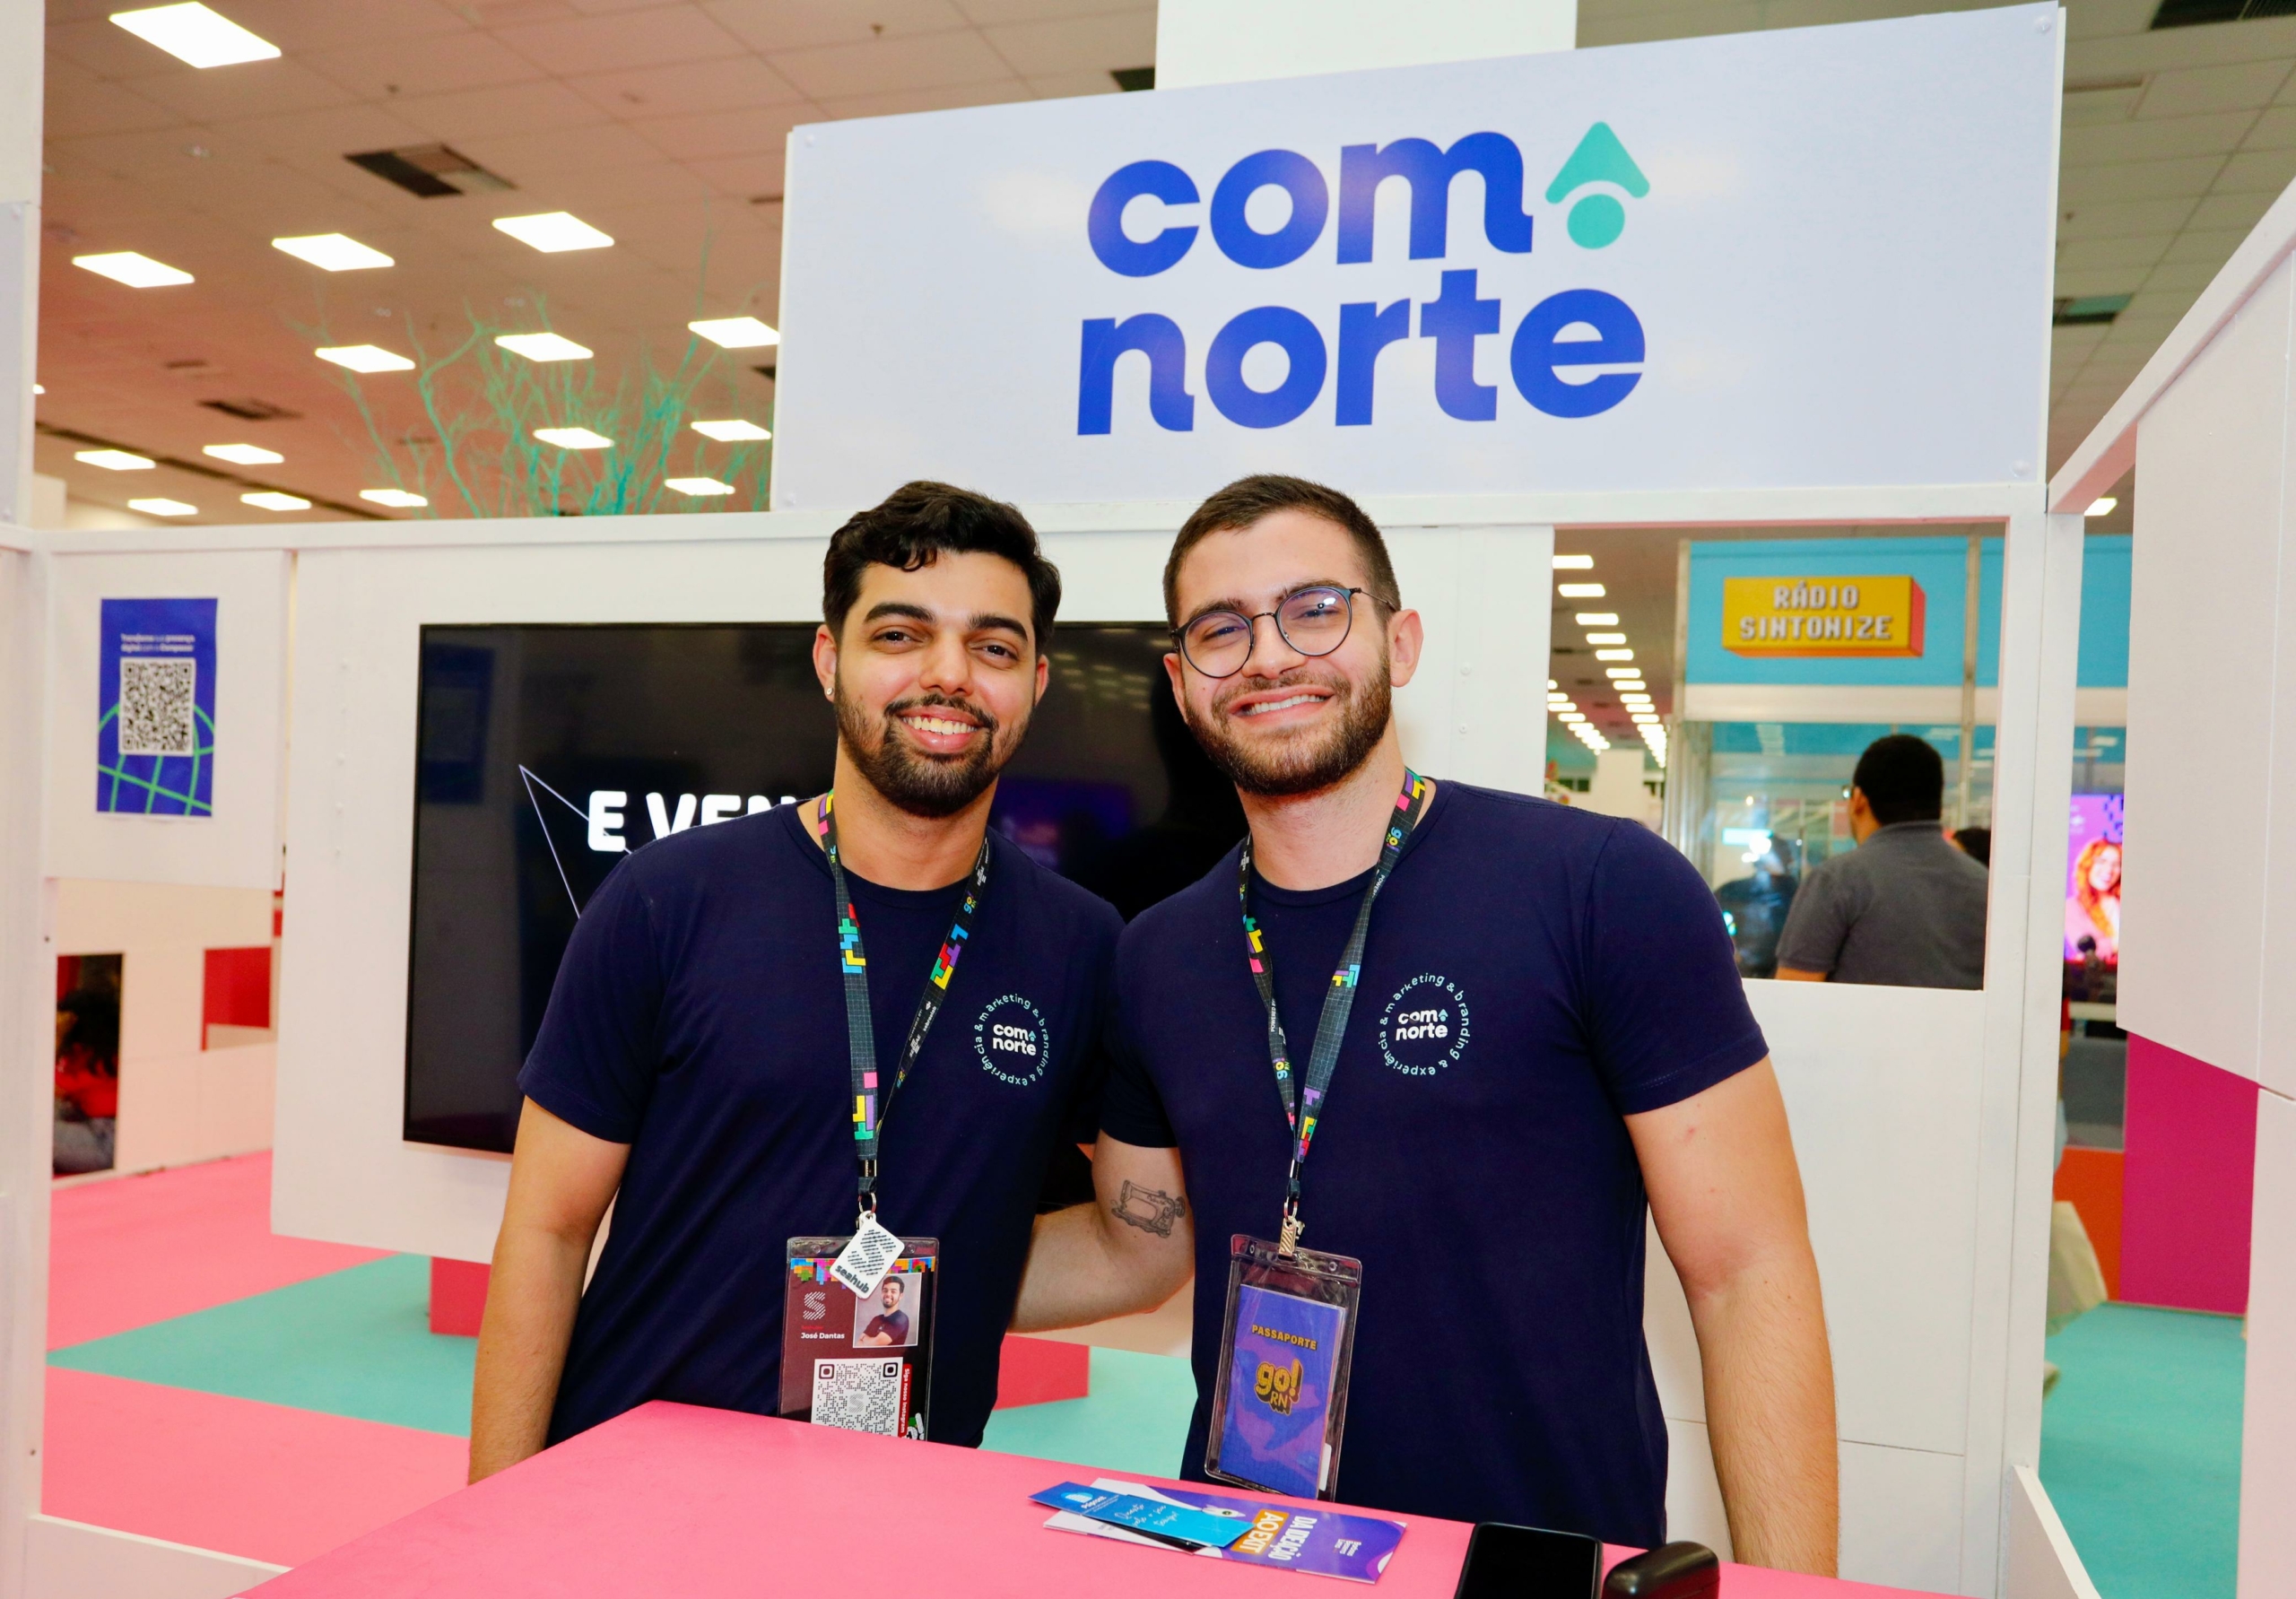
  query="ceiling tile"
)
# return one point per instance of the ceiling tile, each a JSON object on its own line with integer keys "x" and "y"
{"x": 2085, "y": 253}
{"x": 654, "y": 178}
{"x": 251, "y": 89}
{"x": 2108, "y": 19}
{"x": 742, "y": 177}
{"x": 1077, "y": 44}
{"x": 2234, "y": 211}
{"x": 296, "y": 26}
{"x": 2173, "y": 48}
{"x": 775, "y": 25}
{"x": 97, "y": 106}
{"x": 434, "y": 63}
{"x": 523, "y": 157}
{"x": 2097, "y": 280}
{"x": 726, "y": 132}
{"x": 2117, "y": 219}
{"x": 2214, "y": 246}
{"x": 1000, "y": 91}
{"x": 688, "y": 89}
{"x": 2181, "y": 274}
{"x": 536, "y": 108}
{"x": 1070, "y": 85}
{"x": 1610, "y": 27}
{"x": 2268, "y": 169}
{"x": 2157, "y": 302}
{"x": 2156, "y": 140}
{"x": 2198, "y": 91}
{"x": 105, "y": 46}
{"x": 989, "y": 13}
{"x": 2138, "y": 180}
{"x": 2274, "y": 130}
{"x": 328, "y": 136}
{"x": 626, "y": 39}
{"x": 889, "y": 65}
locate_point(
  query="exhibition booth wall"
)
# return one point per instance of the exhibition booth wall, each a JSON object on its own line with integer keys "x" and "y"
{"x": 1923, "y": 1118}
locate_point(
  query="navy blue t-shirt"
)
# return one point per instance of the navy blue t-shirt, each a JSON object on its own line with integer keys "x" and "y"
{"x": 699, "y": 1017}
{"x": 1534, "y": 975}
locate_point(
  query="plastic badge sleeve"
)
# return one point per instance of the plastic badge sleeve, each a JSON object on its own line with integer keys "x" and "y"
{"x": 1279, "y": 1401}
{"x": 862, "y": 1364}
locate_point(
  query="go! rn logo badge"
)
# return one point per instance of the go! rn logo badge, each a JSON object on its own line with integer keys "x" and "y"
{"x": 1596, "y": 179}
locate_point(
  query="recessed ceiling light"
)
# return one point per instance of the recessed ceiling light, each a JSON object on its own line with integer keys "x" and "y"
{"x": 136, "y": 271}
{"x": 335, "y": 252}
{"x": 573, "y": 437}
{"x": 1613, "y": 654}
{"x": 552, "y": 231}
{"x": 2102, "y": 506}
{"x": 1642, "y": 718}
{"x": 244, "y": 454}
{"x": 731, "y": 432}
{"x": 270, "y": 499}
{"x": 113, "y": 460}
{"x": 1620, "y": 674}
{"x": 39, "y": 389}
{"x": 1570, "y": 715}
{"x": 736, "y": 333}
{"x": 1635, "y": 700}
{"x": 1573, "y": 563}
{"x": 163, "y": 507}
{"x": 697, "y": 485}
{"x": 542, "y": 346}
{"x": 1596, "y": 619}
{"x": 1579, "y": 591}
{"x": 195, "y": 34}
{"x": 365, "y": 358}
{"x": 399, "y": 498}
{"x": 1607, "y": 637}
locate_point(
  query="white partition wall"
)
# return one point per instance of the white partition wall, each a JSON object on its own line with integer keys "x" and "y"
{"x": 2209, "y": 914}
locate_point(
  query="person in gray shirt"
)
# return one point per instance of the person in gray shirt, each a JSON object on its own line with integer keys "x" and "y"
{"x": 1904, "y": 907}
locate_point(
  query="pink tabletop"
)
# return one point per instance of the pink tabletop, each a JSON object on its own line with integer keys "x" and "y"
{"x": 706, "y": 1503}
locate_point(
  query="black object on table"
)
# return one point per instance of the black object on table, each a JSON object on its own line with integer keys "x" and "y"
{"x": 1671, "y": 1571}
{"x": 1505, "y": 1561}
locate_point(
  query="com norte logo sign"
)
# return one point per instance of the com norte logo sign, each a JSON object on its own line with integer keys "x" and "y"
{"x": 1566, "y": 333}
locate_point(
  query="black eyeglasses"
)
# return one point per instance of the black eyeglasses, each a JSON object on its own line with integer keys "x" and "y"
{"x": 1314, "y": 621}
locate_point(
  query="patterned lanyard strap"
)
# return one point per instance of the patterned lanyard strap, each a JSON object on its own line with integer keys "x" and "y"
{"x": 869, "y": 1106}
{"x": 1303, "y": 1102}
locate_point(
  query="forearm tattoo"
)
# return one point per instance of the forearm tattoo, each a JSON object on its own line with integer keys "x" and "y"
{"x": 1150, "y": 1210}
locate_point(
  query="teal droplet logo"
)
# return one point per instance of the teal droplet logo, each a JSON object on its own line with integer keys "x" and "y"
{"x": 1597, "y": 221}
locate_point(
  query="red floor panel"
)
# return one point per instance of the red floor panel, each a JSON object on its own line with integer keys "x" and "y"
{"x": 256, "y": 1479}
{"x": 135, "y": 1250}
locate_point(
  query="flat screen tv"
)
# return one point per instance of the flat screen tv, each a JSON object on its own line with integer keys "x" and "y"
{"x": 544, "y": 751}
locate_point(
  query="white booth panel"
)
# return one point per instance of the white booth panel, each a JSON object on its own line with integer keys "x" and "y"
{"x": 341, "y": 1172}
{"x": 1882, "y": 1086}
{"x": 239, "y": 845}
{"x": 2200, "y": 936}
{"x": 2268, "y": 1446}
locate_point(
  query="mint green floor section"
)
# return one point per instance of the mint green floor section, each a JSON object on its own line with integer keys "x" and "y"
{"x": 1135, "y": 1420}
{"x": 2140, "y": 1449}
{"x": 354, "y": 1342}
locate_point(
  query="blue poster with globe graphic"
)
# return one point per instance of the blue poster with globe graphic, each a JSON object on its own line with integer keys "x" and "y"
{"x": 155, "y": 732}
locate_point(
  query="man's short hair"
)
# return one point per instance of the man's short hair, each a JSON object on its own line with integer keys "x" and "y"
{"x": 919, "y": 520}
{"x": 1903, "y": 778}
{"x": 1248, "y": 499}
{"x": 898, "y": 1284}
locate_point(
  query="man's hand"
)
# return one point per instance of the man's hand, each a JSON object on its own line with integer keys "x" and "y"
{"x": 562, "y": 1180}
{"x": 1728, "y": 1199}
{"x": 1129, "y": 1250}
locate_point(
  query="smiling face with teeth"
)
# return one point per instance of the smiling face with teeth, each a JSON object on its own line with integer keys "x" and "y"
{"x": 933, "y": 678}
{"x": 1287, "y": 723}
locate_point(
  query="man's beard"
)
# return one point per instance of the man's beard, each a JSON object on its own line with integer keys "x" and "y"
{"x": 1304, "y": 761}
{"x": 912, "y": 780}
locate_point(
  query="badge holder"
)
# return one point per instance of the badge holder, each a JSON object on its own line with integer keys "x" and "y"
{"x": 1279, "y": 1402}
{"x": 861, "y": 1362}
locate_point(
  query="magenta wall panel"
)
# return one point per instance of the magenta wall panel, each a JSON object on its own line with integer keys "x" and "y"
{"x": 2186, "y": 1183}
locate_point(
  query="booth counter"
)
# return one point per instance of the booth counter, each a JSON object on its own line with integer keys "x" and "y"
{"x": 712, "y": 1502}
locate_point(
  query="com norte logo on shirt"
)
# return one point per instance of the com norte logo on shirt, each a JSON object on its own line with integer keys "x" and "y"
{"x": 1571, "y": 331}
{"x": 1425, "y": 1026}
{"x": 1012, "y": 1040}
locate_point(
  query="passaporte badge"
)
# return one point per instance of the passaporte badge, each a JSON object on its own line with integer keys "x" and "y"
{"x": 1279, "y": 1390}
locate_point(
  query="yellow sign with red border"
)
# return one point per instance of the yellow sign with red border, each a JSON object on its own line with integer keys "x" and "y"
{"x": 1822, "y": 616}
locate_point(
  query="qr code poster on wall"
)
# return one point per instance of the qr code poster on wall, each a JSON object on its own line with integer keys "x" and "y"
{"x": 155, "y": 730}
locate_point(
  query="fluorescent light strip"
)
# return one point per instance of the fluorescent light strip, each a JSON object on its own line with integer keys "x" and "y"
{"x": 736, "y": 332}
{"x": 193, "y": 33}
{"x": 1613, "y": 654}
{"x": 333, "y": 252}
{"x": 114, "y": 460}
{"x": 2102, "y": 506}
{"x": 161, "y": 507}
{"x": 552, "y": 231}
{"x": 731, "y": 430}
{"x": 1579, "y": 591}
{"x": 136, "y": 271}
{"x": 270, "y": 499}
{"x": 397, "y": 498}
{"x": 244, "y": 454}
{"x": 542, "y": 346}
{"x": 1596, "y": 619}
{"x": 1573, "y": 563}
{"x": 697, "y": 487}
{"x": 1607, "y": 637}
{"x": 365, "y": 358}
{"x": 573, "y": 438}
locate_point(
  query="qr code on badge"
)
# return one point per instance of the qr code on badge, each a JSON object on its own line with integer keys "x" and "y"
{"x": 858, "y": 1395}
{"x": 155, "y": 706}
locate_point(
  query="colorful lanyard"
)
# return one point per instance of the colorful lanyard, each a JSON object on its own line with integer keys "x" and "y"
{"x": 860, "y": 1030}
{"x": 1303, "y": 1102}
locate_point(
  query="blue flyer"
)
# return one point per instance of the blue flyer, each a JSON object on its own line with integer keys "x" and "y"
{"x": 156, "y": 732}
{"x": 1209, "y": 1527}
{"x": 1279, "y": 1389}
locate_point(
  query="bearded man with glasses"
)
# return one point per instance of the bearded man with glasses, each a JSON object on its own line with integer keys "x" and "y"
{"x": 1551, "y": 1042}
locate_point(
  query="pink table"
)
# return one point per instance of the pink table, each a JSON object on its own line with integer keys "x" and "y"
{"x": 705, "y": 1504}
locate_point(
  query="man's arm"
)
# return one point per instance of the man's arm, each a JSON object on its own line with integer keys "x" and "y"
{"x": 562, "y": 1180}
{"x": 1728, "y": 1198}
{"x": 1129, "y": 1250}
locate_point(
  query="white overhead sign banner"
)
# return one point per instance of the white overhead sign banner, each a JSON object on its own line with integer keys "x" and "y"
{"x": 1817, "y": 256}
